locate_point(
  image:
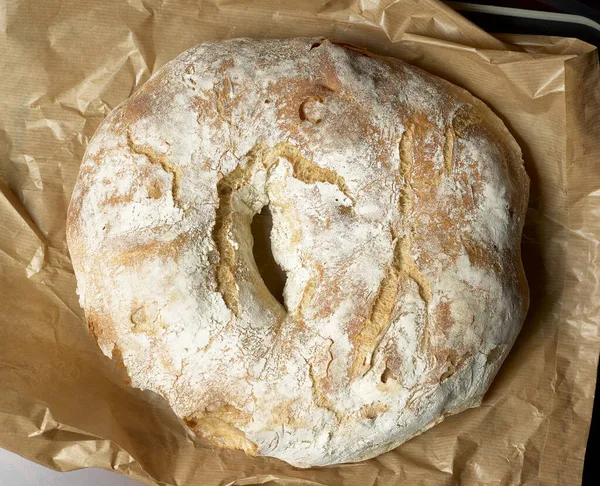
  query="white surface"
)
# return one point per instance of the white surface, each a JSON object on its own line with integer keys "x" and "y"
{"x": 16, "y": 471}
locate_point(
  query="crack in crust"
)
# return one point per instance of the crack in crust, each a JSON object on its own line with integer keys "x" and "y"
{"x": 406, "y": 165}
{"x": 447, "y": 153}
{"x": 160, "y": 159}
{"x": 319, "y": 396}
{"x": 402, "y": 267}
{"x": 307, "y": 171}
{"x": 448, "y": 150}
{"x": 406, "y": 205}
{"x": 303, "y": 169}
{"x": 227, "y": 185}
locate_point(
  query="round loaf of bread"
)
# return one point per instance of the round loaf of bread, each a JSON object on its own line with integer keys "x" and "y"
{"x": 397, "y": 202}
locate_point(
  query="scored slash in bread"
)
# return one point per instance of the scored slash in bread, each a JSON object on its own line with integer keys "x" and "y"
{"x": 398, "y": 201}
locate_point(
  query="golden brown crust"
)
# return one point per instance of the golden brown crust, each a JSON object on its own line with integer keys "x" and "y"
{"x": 398, "y": 202}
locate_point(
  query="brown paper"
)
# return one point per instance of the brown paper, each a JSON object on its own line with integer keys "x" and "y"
{"x": 66, "y": 64}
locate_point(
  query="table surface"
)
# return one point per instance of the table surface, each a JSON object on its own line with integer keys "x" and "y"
{"x": 16, "y": 471}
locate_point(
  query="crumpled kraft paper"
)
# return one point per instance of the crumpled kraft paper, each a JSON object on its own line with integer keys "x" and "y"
{"x": 65, "y": 64}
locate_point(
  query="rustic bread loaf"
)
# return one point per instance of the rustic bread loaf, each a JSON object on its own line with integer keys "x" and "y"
{"x": 397, "y": 199}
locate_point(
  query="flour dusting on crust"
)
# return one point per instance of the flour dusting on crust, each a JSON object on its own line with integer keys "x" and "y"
{"x": 398, "y": 202}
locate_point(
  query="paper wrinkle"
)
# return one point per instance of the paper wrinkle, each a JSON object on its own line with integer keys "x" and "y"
{"x": 532, "y": 425}
{"x": 76, "y": 313}
{"x": 36, "y": 263}
{"x": 34, "y": 181}
{"x": 431, "y": 18}
{"x": 516, "y": 76}
{"x": 263, "y": 479}
{"x": 352, "y": 11}
{"x": 552, "y": 85}
{"x": 41, "y": 422}
{"x": 17, "y": 226}
{"x": 422, "y": 39}
{"x": 141, "y": 5}
{"x": 91, "y": 89}
{"x": 49, "y": 428}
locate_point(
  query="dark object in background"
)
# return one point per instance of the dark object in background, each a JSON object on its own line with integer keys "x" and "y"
{"x": 564, "y": 18}
{"x": 591, "y": 467}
